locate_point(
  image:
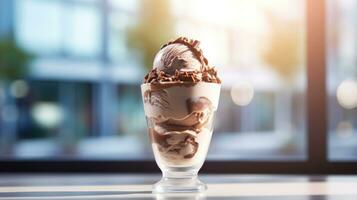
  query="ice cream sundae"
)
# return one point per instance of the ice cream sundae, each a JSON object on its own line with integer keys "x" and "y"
{"x": 180, "y": 96}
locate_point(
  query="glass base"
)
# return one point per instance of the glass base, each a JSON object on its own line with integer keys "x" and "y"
{"x": 180, "y": 196}
{"x": 179, "y": 183}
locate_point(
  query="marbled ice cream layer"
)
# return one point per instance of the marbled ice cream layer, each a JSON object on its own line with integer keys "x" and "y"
{"x": 180, "y": 121}
{"x": 180, "y": 97}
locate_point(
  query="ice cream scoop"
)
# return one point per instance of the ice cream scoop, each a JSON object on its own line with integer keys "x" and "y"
{"x": 181, "y": 61}
{"x": 176, "y": 57}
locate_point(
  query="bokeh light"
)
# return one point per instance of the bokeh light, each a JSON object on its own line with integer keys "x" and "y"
{"x": 347, "y": 94}
{"x": 9, "y": 113}
{"x": 47, "y": 115}
{"x": 242, "y": 93}
{"x": 19, "y": 89}
{"x": 344, "y": 129}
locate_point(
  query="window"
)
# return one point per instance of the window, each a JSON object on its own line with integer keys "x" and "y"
{"x": 80, "y": 104}
{"x": 342, "y": 79}
{"x": 119, "y": 23}
{"x": 72, "y": 28}
{"x": 46, "y": 15}
{"x": 82, "y": 30}
{"x": 51, "y": 118}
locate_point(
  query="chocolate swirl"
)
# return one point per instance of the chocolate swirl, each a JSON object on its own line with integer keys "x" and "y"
{"x": 193, "y": 45}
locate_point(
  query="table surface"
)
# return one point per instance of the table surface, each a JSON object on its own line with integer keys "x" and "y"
{"x": 138, "y": 186}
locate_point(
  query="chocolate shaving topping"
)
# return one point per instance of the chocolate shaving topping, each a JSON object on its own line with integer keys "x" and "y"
{"x": 207, "y": 75}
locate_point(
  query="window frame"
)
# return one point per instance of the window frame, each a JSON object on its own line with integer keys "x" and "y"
{"x": 317, "y": 161}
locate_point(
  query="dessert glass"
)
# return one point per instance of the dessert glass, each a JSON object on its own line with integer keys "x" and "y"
{"x": 180, "y": 123}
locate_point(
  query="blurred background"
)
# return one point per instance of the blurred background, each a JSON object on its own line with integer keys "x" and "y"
{"x": 70, "y": 75}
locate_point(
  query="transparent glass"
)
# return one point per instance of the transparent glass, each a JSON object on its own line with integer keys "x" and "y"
{"x": 180, "y": 156}
{"x": 180, "y": 124}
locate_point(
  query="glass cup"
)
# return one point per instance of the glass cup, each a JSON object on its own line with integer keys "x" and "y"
{"x": 180, "y": 123}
